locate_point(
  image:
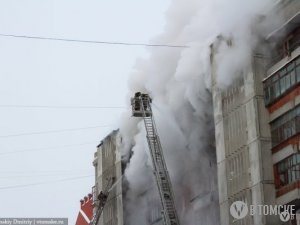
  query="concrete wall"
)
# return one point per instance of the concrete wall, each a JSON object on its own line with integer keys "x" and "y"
{"x": 107, "y": 164}
{"x": 243, "y": 143}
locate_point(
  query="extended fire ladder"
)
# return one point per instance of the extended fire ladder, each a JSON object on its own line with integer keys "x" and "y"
{"x": 141, "y": 108}
{"x": 96, "y": 217}
{"x": 101, "y": 202}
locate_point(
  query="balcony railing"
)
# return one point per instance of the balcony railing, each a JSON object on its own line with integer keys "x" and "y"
{"x": 285, "y": 47}
{"x": 282, "y": 81}
{"x": 285, "y": 126}
{"x": 287, "y": 171}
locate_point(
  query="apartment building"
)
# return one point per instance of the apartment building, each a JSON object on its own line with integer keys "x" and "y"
{"x": 108, "y": 164}
{"x": 282, "y": 100}
{"x": 108, "y": 171}
{"x": 257, "y": 123}
{"x": 243, "y": 143}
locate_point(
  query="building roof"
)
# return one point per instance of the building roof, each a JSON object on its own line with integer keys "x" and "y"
{"x": 85, "y": 214}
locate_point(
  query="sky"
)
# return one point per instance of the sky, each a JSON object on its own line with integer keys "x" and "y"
{"x": 43, "y": 145}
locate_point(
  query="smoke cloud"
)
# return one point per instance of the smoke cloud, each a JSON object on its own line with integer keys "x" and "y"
{"x": 179, "y": 82}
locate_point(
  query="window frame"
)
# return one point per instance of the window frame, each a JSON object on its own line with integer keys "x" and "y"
{"x": 280, "y": 83}
{"x": 287, "y": 170}
{"x": 285, "y": 126}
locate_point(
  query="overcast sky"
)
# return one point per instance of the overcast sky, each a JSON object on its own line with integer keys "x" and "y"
{"x": 48, "y": 73}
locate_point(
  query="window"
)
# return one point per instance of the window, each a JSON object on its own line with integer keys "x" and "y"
{"x": 285, "y": 126}
{"x": 277, "y": 89}
{"x": 267, "y": 94}
{"x": 288, "y": 170}
{"x": 293, "y": 78}
{"x": 282, "y": 81}
{"x": 298, "y": 72}
{"x": 282, "y": 85}
{"x": 287, "y": 81}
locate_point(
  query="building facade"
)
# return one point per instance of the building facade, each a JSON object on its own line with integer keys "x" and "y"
{"x": 257, "y": 124}
{"x": 109, "y": 165}
{"x": 282, "y": 100}
{"x": 243, "y": 144}
{"x": 108, "y": 177}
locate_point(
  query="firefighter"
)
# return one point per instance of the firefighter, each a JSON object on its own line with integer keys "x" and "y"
{"x": 102, "y": 197}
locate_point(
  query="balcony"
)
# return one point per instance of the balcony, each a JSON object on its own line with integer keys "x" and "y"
{"x": 286, "y": 126}
{"x": 282, "y": 81}
{"x": 287, "y": 171}
{"x": 285, "y": 36}
{"x": 287, "y": 179}
{"x": 286, "y": 47}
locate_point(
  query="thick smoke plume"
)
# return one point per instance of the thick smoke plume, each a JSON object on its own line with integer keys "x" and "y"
{"x": 179, "y": 82}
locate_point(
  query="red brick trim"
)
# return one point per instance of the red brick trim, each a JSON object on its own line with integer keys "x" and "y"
{"x": 285, "y": 99}
{"x": 288, "y": 188}
{"x": 294, "y": 141}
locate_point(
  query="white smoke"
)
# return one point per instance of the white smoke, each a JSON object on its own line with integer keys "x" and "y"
{"x": 178, "y": 80}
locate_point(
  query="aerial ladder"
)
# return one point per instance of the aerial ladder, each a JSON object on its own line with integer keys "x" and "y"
{"x": 141, "y": 107}
{"x": 102, "y": 199}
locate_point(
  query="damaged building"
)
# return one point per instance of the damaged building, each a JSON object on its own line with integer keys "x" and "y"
{"x": 109, "y": 170}
{"x": 108, "y": 178}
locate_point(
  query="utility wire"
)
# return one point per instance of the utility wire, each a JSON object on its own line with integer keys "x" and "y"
{"x": 47, "y": 148}
{"x": 40, "y": 172}
{"x": 49, "y": 182}
{"x": 51, "y": 131}
{"x": 62, "y": 107}
{"x": 34, "y": 175}
{"x": 93, "y": 42}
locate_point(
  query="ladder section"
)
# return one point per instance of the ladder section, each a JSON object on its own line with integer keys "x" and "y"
{"x": 160, "y": 169}
{"x": 96, "y": 217}
{"x": 102, "y": 199}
